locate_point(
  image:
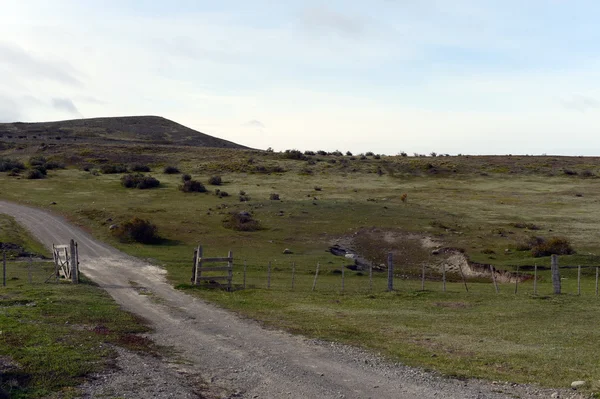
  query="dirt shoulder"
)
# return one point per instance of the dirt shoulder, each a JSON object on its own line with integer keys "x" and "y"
{"x": 238, "y": 357}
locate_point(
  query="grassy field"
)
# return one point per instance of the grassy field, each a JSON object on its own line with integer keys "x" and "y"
{"x": 54, "y": 334}
{"x": 476, "y": 204}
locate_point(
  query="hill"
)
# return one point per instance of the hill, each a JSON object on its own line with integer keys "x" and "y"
{"x": 130, "y": 129}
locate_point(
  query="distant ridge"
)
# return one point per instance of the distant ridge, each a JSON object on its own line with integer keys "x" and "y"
{"x": 130, "y": 129}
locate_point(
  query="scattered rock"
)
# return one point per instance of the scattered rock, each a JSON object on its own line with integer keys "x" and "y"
{"x": 113, "y": 226}
{"x": 53, "y": 203}
{"x": 287, "y": 251}
{"x": 577, "y": 384}
{"x": 435, "y": 252}
{"x": 349, "y": 256}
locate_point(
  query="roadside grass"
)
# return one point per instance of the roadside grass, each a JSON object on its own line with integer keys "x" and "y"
{"x": 54, "y": 334}
{"x": 516, "y": 338}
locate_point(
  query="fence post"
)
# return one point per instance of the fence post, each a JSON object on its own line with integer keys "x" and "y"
{"x": 555, "y": 274}
{"x": 371, "y": 277}
{"x": 197, "y": 264}
{"x": 3, "y": 267}
{"x": 293, "y": 274}
{"x": 390, "y": 286}
{"x": 74, "y": 276}
{"x": 316, "y": 275}
{"x": 579, "y": 280}
{"x": 245, "y": 269}
{"x": 269, "y": 276}
{"x": 494, "y": 278}
{"x": 517, "y": 281}
{"x": 29, "y": 271}
{"x": 535, "y": 279}
{"x": 444, "y": 277}
{"x": 462, "y": 275}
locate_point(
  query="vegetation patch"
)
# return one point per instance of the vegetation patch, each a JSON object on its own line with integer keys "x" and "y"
{"x": 137, "y": 230}
{"x": 552, "y": 246}
{"x": 140, "y": 181}
{"x": 241, "y": 221}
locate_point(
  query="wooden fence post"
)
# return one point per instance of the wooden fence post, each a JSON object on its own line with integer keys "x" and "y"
{"x": 197, "y": 264}
{"x": 579, "y": 280}
{"x": 494, "y": 278}
{"x": 4, "y": 267}
{"x": 444, "y": 277}
{"x": 245, "y": 269}
{"x": 230, "y": 271}
{"x": 517, "y": 281}
{"x": 293, "y": 275}
{"x": 463, "y": 278}
{"x": 555, "y": 274}
{"x": 316, "y": 275}
{"x": 390, "y": 286}
{"x": 269, "y": 276}
{"x": 73, "y": 265}
{"x": 535, "y": 279}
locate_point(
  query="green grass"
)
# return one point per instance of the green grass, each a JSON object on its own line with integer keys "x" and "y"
{"x": 522, "y": 338}
{"x": 54, "y": 334}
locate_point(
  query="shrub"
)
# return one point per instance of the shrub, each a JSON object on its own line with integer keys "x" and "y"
{"x": 552, "y": 246}
{"x": 41, "y": 169}
{"x": 530, "y": 226}
{"x": 377, "y": 156}
{"x": 137, "y": 230}
{"x": 215, "y": 180}
{"x": 321, "y": 152}
{"x": 570, "y": 172}
{"x": 337, "y": 153}
{"x": 140, "y": 168}
{"x": 34, "y": 174}
{"x": 112, "y": 169}
{"x": 294, "y": 154}
{"x": 369, "y": 153}
{"x": 171, "y": 170}
{"x": 51, "y": 165}
{"x": 241, "y": 221}
{"x": 587, "y": 173}
{"x": 192, "y": 186}
{"x": 348, "y": 153}
{"x": 186, "y": 177}
{"x": 7, "y": 164}
{"x": 37, "y": 160}
{"x": 274, "y": 197}
{"x": 139, "y": 181}
{"x": 309, "y": 152}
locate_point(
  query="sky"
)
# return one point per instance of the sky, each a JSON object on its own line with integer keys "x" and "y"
{"x": 419, "y": 76}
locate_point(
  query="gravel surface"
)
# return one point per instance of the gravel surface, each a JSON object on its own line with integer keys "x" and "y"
{"x": 218, "y": 354}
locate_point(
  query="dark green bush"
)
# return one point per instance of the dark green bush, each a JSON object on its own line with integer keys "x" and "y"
{"x": 140, "y": 168}
{"x": 171, "y": 170}
{"x": 348, "y": 153}
{"x": 294, "y": 154}
{"x": 137, "y": 230}
{"x": 34, "y": 174}
{"x": 109, "y": 169}
{"x": 274, "y": 197}
{"x": 37, "y": 160}
{"x": 140, "y": 181}
{"x": 309, "y": 153}
{"x": 186, "y": 177}
{"x": 552, "y": 246}
{"x": 241, "y": 221}
{"x": 215, "y": 180}
{"x": 369, "y": 153}
{"x": 192, "y": 186}
{"x": 7, "y": 164}
{"x": 321, "y": 152}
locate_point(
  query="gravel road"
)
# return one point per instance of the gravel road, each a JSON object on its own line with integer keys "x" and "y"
{"x": 218, "y": 354}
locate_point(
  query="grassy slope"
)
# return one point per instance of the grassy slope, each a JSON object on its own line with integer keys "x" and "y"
{"x": 550, "y": 340}
{"x": 52, "y": 335}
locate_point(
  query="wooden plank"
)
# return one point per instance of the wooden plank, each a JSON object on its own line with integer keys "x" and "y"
{"x": 210, "y": 260}
{"x": 213, "y": 269}
{"x": 206, "y": 278}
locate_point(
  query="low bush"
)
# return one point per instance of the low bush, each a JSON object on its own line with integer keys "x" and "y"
{"x": 186, "y": 177}
{"x": 309, "y": 153}
{"x": 140, "y": 168}
{"x": 139, "y": 181}
{"x": 137, "y": 230}
{"x": 192, "y": 186}
{"x": 171, "y": 170}
{"x": 570, "y": 172}
{"x": 530, "y": 226}
{"x": 587, "y": 173}
{"x": 41, "y": 169}
{"x": 322, "y": 153}
{"x": 274, "y": 197}
{"x": 34, "y": 174}
{"x": 109, "y": 169}
{"x": 241, "y": 221}
{"x": 294, "y": 154}
{"x": 7, "y": 164}
{"x": 552, "y": 246}
{"x": 215, "y": 180}
{"x": 369, "y": 153}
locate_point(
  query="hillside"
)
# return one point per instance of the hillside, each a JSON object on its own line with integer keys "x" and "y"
{"x": 130, "y": 129}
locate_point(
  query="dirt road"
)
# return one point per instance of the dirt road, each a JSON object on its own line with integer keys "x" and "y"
{"x": 238, "y": 357}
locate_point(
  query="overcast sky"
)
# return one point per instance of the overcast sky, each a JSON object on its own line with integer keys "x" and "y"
{"x": 450, "y": 76}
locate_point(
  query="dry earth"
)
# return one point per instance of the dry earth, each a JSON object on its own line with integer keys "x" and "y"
{"x": 218, "y": 354}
